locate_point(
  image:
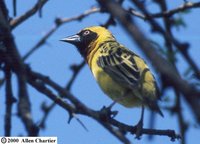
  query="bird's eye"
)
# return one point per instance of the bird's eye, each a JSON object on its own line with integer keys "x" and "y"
{"x": 86, "y": 32}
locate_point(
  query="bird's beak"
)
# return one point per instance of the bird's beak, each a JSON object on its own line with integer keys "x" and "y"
{"x": 74, "y": 39}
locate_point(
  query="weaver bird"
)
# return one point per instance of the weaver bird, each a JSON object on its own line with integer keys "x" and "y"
{"x": 121, "y": 74}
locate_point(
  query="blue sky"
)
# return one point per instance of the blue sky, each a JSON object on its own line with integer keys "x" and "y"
{"x": 54, "y": 58}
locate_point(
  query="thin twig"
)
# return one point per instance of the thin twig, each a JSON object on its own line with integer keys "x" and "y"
{"x": 79, "y": 17}
{"x": 39, "y": 43}
{"x": 14, "y": 7}
{"x": 166, "y": 13}
{"x": 46, "y": 109}
{"x": 182, "y": 124}
{"x": 15, "y": 22}
{"x": 182, "y": 8}
{"x": 76, "y": 69}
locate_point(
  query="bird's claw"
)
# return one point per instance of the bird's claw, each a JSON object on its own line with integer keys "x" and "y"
{"x": 139, "y": 128}
{"x": 107, "y": 113}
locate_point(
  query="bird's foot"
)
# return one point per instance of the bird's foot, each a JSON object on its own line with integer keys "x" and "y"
{"x": 139, "y": 128}
{"x": 106, "y": 112}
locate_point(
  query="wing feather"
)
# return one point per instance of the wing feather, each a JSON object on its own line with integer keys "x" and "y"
{"x": 121, "y": 66}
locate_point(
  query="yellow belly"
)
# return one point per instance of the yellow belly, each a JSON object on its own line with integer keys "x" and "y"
{"x": 113, "y": 89}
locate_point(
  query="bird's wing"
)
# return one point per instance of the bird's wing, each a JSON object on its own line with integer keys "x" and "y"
{"x": 121, "y": 66}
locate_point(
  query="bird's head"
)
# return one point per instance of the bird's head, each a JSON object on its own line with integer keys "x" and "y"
{"x": 88, "y": 38}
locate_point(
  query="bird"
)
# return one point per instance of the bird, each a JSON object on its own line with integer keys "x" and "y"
{"x": 121, "y": 74}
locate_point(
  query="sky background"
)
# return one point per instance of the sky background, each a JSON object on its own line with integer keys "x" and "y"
{"x": 54, "y": 59}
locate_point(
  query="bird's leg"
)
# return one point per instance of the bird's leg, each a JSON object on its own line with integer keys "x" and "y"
{"x": 107, "y": 110}
{"x": 112, "y": 104}
{"x": 140, "y": 124}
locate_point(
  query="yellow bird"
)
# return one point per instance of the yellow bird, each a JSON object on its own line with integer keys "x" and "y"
{"x": 121, "y": 74}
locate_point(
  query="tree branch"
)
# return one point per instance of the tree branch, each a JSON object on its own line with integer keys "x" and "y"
{"x": 9, "y": 102}
{"x": 18, "y": 67}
